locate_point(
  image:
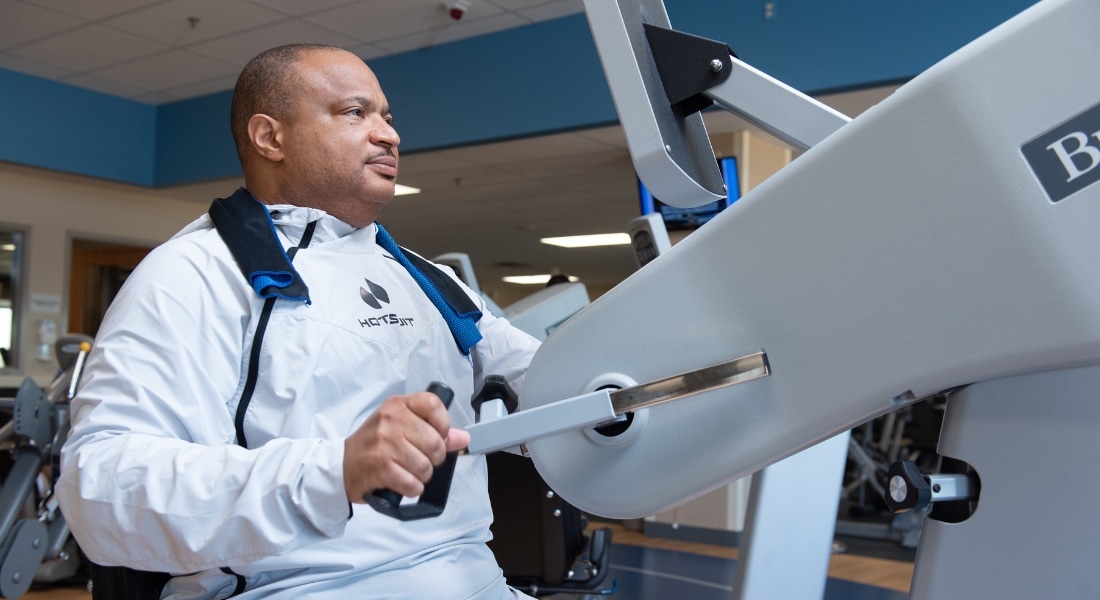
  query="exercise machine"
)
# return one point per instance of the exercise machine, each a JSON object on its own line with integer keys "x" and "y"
{"x": 943, "y": 242}
{"x": 35, "y": 541}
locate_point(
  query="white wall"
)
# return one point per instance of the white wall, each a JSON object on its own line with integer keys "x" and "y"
{"x": 54, "y": 208}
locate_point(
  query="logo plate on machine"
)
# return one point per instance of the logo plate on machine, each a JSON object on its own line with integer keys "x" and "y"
{"x": 1067, "y": 158}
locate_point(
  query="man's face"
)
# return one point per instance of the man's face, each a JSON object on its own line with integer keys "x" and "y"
{"x": 339, "y": 147}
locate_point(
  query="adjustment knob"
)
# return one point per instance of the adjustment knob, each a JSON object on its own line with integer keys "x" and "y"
{"x": 906, "y": 487}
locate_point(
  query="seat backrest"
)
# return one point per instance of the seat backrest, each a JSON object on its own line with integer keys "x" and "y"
{"x": 122, "y": 583}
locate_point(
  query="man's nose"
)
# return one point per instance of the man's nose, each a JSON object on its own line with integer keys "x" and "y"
{"x": 384, "y": 134}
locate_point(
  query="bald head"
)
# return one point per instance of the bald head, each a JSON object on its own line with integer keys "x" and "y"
{"x": 313, "y": 129}
{"x": 268, "y": 84}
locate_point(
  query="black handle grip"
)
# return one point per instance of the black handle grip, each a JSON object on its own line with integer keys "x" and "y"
{"x": 906, "y": 487}
{"x": 434, "y": 499}
{"x": 496, "y": 388}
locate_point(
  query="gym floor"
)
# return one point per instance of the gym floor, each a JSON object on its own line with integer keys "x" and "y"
{"x": 648, "y": 568}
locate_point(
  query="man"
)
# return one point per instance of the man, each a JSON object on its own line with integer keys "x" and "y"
{"x": 232, "y": 409}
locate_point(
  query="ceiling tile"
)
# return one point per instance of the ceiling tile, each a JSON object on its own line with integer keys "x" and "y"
{"x": 606, "y": 182}
{"x": 467, "y": 28}
{"x": 299, "y": 7}
{"x": 361, "y": 20}
{"x": 200, "y": 88}
{"x": 239, "y": 48}
{"x": 21, "y": 23}
{"x": 106, "y": 86}
{"x": 562, "y": 144}
{"x": 367, "y": 51}
{"x": 167, "y": 70}
{"x": 434, "y": 162}
{"x": 93, "y": 11}
{"x": 460, "y": 180}
{"x": 19, "y": 64}
{"x": 89, "y": 47}
{"x": 150, "y": 97}
{"x": 612, "y": 136}
{"x": 581, "y": 159}
{"x": 170, "y": 22}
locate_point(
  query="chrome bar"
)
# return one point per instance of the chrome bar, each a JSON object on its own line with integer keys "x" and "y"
{"x": 746, "y": 368}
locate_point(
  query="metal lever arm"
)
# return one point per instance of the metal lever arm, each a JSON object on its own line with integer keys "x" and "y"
{"x": 603, "y": 406}
{"x": 566, "y": 415}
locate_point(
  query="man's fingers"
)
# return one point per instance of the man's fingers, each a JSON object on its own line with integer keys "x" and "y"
{"x": 400, "y": 444}
{"x": 404, "y": 483}
{"x": 457, "y": 439}
{"x": 429, "y": 407}
{"x": 423, "y": 453}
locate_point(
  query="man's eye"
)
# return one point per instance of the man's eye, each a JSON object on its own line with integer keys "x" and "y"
{"x": 356, "y": 112}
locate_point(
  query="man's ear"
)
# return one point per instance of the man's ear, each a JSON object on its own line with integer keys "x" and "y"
{"x": 266, "y": 134}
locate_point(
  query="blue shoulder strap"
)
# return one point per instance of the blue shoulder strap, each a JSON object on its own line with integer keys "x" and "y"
{"x": 246, "y": 228}
{"x": 457, "y": 309}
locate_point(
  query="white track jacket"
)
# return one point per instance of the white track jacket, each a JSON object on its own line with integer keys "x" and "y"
{"x": 152, "y": 477}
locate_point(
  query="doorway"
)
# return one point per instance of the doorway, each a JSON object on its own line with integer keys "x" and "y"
{"x": 97, "y": 272}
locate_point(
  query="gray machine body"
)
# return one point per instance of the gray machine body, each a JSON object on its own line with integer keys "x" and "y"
{"x": 1031, "y": 440}
{"x": 915, "y": 250}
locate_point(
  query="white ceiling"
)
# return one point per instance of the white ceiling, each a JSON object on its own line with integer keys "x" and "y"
{"x": 492, "y": 201}
{"x": 158, "y": 51}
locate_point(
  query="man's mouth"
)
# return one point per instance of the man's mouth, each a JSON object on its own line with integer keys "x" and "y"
{"x": 385, "y": 165}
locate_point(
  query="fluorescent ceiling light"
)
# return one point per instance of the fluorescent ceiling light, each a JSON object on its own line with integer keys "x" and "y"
{"x": 585, "y": 241}
{"x": 532, "y": 279}
{"x": 8, "y": 247}
{"x": 403, "y": 190}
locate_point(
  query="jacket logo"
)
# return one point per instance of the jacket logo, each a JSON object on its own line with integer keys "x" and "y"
{"x": 375, "y": 296}
{"x": 1067, "y": 158}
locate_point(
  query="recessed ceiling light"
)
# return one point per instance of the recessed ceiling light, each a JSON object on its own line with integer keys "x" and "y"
{"x": 532, "y": 279}
{"x": 404, "y": 190}
{"x": 585, "y": 241}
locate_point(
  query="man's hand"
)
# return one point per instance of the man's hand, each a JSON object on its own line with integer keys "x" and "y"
{"x": 399, "y": 445}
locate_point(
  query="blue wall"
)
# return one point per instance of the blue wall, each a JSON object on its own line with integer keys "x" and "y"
{"x": 818, "y": 46}
{"x": 533, "y": 80}
{"x": 64, "y": 128}
{"x": 194, "y": 142}
{"x": 541, "y": 78}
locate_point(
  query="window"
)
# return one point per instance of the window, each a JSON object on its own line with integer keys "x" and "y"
{"x": 11, "y": 266}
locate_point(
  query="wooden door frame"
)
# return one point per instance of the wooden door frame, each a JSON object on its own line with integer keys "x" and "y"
{"x": 94, "y": 253}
